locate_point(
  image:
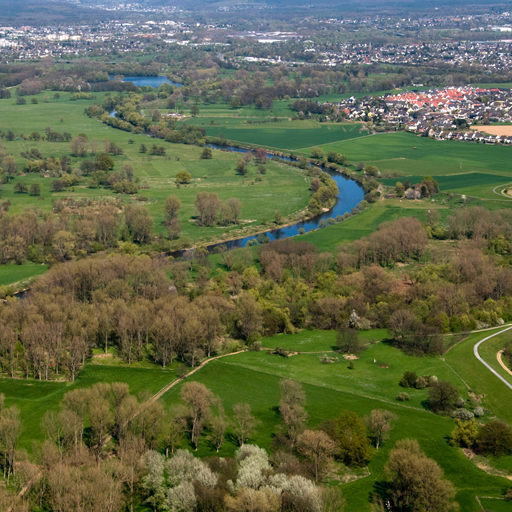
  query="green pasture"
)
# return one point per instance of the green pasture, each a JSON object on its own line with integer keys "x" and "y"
{"x": 282, "y": 186}
{"x": 283, "y": 135}
{"x": 254, "y": 378}
{"x": 484, "y": 383}
{"x": 11, "y": 274}
{"x": 365, "y": 223}
{"x": 420, "y": 156}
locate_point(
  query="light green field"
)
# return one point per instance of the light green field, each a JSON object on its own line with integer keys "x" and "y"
{"x": 366, "y": 222}
{"x": 330, "y": 389}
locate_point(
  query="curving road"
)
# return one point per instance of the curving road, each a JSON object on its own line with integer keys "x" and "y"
{"x": 477, "y": 355}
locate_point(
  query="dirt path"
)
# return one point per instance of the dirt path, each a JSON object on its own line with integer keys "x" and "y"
{"x": 503, "y": 365}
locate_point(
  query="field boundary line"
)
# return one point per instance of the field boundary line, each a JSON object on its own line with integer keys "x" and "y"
{"x": 489, "y": 367}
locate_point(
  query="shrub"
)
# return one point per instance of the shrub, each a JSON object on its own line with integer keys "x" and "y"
{"x": 403, "y": 397}
{"x": 421, "y": 383}
{"x": 478, "y": 411}
{"x": 463, "y": 414}
{"x": 460, "y": 402}
{"x": 408, "y": 379}
{"x": 495, "y": 438}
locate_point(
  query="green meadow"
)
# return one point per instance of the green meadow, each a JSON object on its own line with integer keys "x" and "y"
{"x": 282, "y": 135}
{"x": 11, "y": 274}
{"x": 282, "y": 186}
{"x": 253, "y": 377}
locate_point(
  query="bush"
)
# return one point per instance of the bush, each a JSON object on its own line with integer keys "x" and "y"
{"x": 421, "y": 383}
{"x": 403, "y": 397}
{"x": 460, "y": 402}
{"x": 478, "y": 411}
{"x": 442, "y": 396}
{"x": 408, "y": 379}
{"x": 495, "y": 438}
{"x": 463, "y": 414}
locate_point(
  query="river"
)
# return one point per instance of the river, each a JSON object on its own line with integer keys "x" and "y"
{"x": 349, "y": 196}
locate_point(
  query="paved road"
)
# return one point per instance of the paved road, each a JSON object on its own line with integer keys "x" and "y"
{"x": 477, "y": 355}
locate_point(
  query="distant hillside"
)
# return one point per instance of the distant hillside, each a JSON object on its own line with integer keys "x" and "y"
{"x": 41, "y": 12}
{"x": 337, "y": 5}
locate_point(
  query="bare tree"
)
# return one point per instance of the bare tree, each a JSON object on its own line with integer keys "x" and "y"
{"x": 379, "y": 425}
{"x": 199, "y": 400}
{"x": 244, "y": 422}
{"x": 318, "y": 448}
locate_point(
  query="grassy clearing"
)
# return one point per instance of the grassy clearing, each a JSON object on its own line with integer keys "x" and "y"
{"x": 34, "y": 398}
{"x": 253, "y": 377}
{"x": 11, "y": 274}
{"x": 262, "y": 373}
{"x": 366, "y": 222}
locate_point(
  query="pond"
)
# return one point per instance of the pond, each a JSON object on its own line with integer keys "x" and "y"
{"x": 148, "y": 81}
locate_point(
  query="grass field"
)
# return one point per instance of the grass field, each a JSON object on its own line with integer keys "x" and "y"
{"x": 11, "y": 274}
{"x": 283, "y": 135}
{"x": 366, "y": 222}
{"x": 330, "y": 389}
{"x": 282, "y": 185}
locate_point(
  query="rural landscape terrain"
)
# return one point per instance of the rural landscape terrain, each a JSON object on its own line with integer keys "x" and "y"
{"x": 255, "y": 257}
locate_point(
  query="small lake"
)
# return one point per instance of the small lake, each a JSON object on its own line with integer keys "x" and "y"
{"x": 148, "y": 81}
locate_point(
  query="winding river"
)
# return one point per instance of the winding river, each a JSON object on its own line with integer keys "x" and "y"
{"x": 350, "y": 195}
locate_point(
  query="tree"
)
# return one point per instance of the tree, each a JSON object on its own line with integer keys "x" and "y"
{"x": 207, "y": 208}
{"x": 218, "y": 426}
{"x": 442, "y": 396}
{"x": 199, "y": 400}
{"x": 318, "y": 448}
{"x": 291, "y": 407}
{"x": 194, "y": 110}
{"x": 143, "y": 148}
{"x": 9, "y": 165}
{"x": 207, "y": 153}
{"x": 10, "y": 431}
{"x": 235, "y": 206}
{"x": 348, "y": 341}
{"x": 355, "y": 447}
{"x": 57, "y": 185}
{"x": 399, "y": 189}
{"x": 465, "y": 433}
{"x": 495, "y": 438}
{"x": 35, "y": 189}
{"x": 78, "y": 146}
{"x": 248, "y": 314}
{"x": 241, "y": 167}
{"x": 416, "y": 482}
{"x": 183, "y": 178}
{"x": 171, "y": 208}
{"x": 261, "y": 156}
{"x": 244, "y": 422}
{"x": 20, "y": 188}
{"x": 379, "y": 425}
{"x": 317, "y": 153}
{"x": 177, "y": 424}
{"x": 140, "y": 223}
